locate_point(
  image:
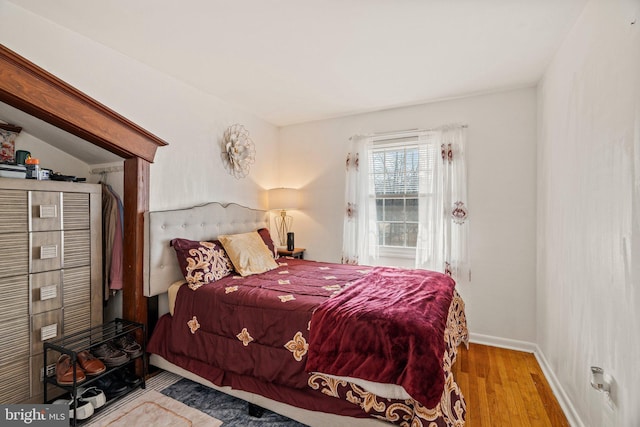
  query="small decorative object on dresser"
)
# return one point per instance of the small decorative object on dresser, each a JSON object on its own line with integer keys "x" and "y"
{"x": 295, "y": 253}
{"x": 8, "y": 135}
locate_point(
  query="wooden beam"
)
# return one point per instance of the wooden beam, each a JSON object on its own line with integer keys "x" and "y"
{"x": 29, "y": 88}
{"x": 136, "y": 202}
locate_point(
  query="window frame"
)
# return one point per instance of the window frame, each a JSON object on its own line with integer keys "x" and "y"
{"x": 385, "y": 145}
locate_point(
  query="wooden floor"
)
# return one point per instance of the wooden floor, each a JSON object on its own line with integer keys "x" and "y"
{"x": 505, "y": 388}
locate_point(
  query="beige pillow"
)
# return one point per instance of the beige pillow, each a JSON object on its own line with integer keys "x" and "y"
{"x": 248, "y": 253}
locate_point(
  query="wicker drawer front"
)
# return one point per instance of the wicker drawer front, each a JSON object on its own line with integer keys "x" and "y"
{"x": 15, "y": 340}
{"x": 77, "y": 248}
{"x": 14, "y": 381}
{"x": 14, "y": 294}
{"x": 13, "y": 205}
{"x": 76, "y": 288}
{"x": 45, "y": 210}
{"x": 77, "y": 318}
{"x": 46, "y": 251}
{"x": 76, "y": 211}
{"x": 45, "y": 326}
{"x": 14, "y": 254}
{"x": 50, "y": 249}
{"x": 46, "y": 291}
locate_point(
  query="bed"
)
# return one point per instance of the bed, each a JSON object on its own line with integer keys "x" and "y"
{"x": 321, "y": 343}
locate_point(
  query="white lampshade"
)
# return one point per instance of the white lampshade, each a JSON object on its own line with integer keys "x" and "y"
{"x": 283, "y": 198}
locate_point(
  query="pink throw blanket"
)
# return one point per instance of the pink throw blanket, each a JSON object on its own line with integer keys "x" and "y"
{"x": 386, "y": 327}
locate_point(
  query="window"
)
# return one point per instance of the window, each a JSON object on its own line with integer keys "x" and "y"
{"x": 396, "y": 168}
{"x": 406, "y": 200}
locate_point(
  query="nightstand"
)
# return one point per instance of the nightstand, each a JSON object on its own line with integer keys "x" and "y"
{"x": 295, "y": 253}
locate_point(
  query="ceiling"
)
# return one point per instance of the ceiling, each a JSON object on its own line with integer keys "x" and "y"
{"x": 291, "y": 61}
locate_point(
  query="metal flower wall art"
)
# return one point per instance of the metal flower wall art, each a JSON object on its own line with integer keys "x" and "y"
{"x": 238, "y": 151}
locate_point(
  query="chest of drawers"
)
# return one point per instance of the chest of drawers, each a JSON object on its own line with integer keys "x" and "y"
{"x": 50, "y": 275}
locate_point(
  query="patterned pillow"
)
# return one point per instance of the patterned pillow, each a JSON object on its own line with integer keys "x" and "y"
{"x": 201, "y": 262}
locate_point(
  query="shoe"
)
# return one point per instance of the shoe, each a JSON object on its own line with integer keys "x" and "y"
{"x": 111, "y": 386}
{"x": 128, "y": 377}
{"x": 129, "y": 345}
{"x": 64, "y": 371}
{"x": 93, "y": 395}
{"x": 110, "y": 355}
{"x": 90, "y": 364}
{"x": 83, "y": 409}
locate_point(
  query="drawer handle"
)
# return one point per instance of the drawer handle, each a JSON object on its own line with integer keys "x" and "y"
{"x": 48, "y": 252}
{"x": 48, "y": 332}
{"x": 48, "y": 292}
{"x": 48, "y": 211}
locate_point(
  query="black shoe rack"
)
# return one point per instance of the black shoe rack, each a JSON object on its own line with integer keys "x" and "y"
{"x": 88, "y": 339}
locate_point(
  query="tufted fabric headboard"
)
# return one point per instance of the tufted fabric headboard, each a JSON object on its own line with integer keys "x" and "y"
{"x": 205, "y": 222}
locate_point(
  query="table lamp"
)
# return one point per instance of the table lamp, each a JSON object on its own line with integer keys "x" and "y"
{"x": 282, "y": 199}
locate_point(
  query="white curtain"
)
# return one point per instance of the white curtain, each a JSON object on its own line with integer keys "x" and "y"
{"x": 443, "y": 232}
{"x": 444, "y": 217}
{"x": 431, "y": 212}
{"x": 460, "y": 263}
{"x": 360, "y": 241}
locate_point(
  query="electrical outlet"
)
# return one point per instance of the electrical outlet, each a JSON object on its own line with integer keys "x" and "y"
{"x": 51, "y": 371}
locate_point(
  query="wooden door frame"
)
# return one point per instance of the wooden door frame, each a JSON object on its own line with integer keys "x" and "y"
{"x": 33, "y": 90}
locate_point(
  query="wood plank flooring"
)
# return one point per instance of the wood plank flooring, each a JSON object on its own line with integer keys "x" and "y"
{"x": 505, "y": 388}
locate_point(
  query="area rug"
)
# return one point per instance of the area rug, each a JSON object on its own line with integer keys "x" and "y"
{"x": 157, "y": 410}
{"x": 230, "y": 410}
{"x": 219, "y": 408}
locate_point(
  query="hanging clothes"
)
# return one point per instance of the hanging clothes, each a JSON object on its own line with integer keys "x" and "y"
{"x": 115, "y": 273}
{"x": 112, "y": 240}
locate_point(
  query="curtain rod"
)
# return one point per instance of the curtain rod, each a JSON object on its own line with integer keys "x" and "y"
{"x": 406, "y": 131}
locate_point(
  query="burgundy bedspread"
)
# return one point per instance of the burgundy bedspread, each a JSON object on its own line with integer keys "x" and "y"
{"x": 257, "y": 325}
{"x": 266, "y": 333}
{"x": 386, "y": 327}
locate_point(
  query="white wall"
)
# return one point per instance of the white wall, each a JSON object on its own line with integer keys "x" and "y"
{"x": 189, "y": 170}
{"x": 588, "y": 297}
{"x": 501, "y": 145}
{"x": 50, "y": 157}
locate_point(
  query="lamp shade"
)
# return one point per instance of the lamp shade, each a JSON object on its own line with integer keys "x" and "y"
{"x": 283, "y": 198}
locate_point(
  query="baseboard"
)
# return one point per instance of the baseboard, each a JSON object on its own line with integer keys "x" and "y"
{"x": 503, "y": 342}
{"x": 563, "y": 399}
